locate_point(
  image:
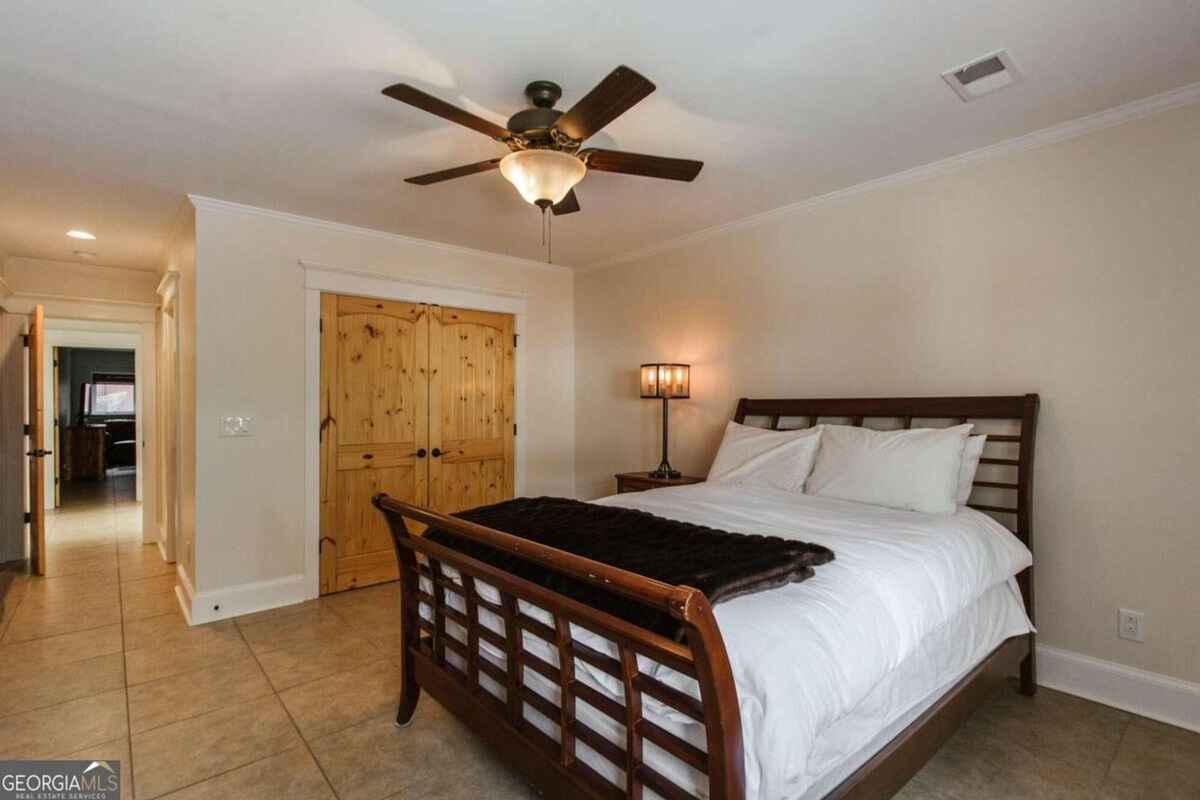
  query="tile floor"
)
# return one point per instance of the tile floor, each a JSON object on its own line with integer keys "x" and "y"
{"x": 96, "y": 662}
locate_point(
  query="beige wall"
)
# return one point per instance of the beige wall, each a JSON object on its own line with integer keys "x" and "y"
{"x": 1071, "y": 270}
{"x": 250, "y": 360}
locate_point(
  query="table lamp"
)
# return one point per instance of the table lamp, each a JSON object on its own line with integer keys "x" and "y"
{"x": 666, "y": 381}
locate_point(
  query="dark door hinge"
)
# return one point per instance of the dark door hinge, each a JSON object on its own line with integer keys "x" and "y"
{"x": 28, "y": 517}
{"x": 26, "y": 430}
{"x": 320, "y": 326}
{"x": 515, "y": 335}
{"x": 25, "y": 339}
{"x": 514, "y": 429}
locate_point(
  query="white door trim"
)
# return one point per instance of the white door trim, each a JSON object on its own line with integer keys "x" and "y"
{"x": 320, "y": 278}
{"x": 139, "y": 337}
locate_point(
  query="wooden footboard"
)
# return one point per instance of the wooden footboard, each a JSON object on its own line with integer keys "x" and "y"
{"x": 453, "y": 669}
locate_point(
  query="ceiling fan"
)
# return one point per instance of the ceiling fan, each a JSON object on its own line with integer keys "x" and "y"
{"x": 546, "y": 159}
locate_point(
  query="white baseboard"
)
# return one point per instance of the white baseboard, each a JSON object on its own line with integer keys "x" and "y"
{"x": 162, "y": 551}
{"x": 1148, "y": 694}
{"x": 233, "y": 601}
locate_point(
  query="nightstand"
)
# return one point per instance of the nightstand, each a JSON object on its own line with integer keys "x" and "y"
{"x": 641, "y": 481}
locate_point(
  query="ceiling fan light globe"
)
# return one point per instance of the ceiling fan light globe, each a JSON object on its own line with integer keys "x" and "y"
{"x": 545, "y": 175}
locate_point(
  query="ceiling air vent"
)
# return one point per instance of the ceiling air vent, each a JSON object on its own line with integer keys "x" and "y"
{"x": 982, "y": 76}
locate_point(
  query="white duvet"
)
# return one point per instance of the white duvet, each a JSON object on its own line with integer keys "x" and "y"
{"x": 807, "y": 656}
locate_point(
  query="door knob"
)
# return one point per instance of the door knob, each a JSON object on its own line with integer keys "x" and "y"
{"x": 420, "y": 452}
{"x": 435, "y": 453}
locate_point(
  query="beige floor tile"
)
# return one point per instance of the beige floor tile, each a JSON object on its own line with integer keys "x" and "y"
{"x": 436, "y": 756}
{"x": 187, "y": 752}
{"x": 1076, "y": 730}
{"x": 71, "y": 586}
{"x": 35, "y": 608}
{"x": 327, "y": 705}
{"x": 64, "y": 728}
{"x": 37, "y": 653}
{"x": 32, "y": 623}
{"x": 147, "y": 587}
{"x": 972, "y": 766}
{"x": 191, "y": 694}
{"x": 390, "y": 642}
{"x": 210, "y": 646}
{"x": 144, "y": 566}
{"x": 163, "y": 601}
{"x": 301, "y": 663}
{"x": 60, "y": 566}
{"x": 116, "y": 750}
{"x": 290, "y": 775}
{"x": 171, "y": 628}
{"x": 1159, "y": 760}
{"x": 314, "y": 625}
{"x": 924, "y": 788}
{"x": 51, "y": 684}
{"x": 277, "y": 613}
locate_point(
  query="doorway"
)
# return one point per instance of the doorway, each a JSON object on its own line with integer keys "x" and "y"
{"x": 417, "y": 400}
{"x": 95, "y": 427}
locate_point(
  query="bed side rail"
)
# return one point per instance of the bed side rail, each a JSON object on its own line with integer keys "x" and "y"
{"x": 702, "y": 656}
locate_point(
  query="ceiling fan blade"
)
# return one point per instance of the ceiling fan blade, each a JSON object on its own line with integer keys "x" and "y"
{"x": 611, "y": 98}
{"x": 568, "y": 205}
{"x": 454, "y": 172}
{"x": 675, "y": 169}
{"x": 427, "y": 102}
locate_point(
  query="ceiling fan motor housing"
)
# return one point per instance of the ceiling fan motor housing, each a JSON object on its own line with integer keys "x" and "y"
{"x": 543, "y": 95}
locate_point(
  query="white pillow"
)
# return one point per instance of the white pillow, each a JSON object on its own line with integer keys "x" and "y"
{"x": 915, "y": 470}
{"x": 756, "y": 456}
{"x": 972, "y": 452}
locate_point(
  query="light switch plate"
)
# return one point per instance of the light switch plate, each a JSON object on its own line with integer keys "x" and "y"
{"x": 237, "y": 426}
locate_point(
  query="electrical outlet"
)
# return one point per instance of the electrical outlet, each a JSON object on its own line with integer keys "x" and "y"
{"x": 1129, "y": 625}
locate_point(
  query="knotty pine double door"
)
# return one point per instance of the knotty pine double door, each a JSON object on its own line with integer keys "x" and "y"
{"x": 416, "y": 401}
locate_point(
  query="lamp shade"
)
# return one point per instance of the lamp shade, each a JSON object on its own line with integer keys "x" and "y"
{"x": 666, "y": 380}
{"x": 542, "y": 176}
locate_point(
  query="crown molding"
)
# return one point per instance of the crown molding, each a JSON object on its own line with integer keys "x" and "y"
{"x": 1073, "y": 129}
{"x": 212, "y": 203}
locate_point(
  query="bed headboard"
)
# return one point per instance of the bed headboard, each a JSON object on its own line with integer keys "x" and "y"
{"x": 1004, "y": 483}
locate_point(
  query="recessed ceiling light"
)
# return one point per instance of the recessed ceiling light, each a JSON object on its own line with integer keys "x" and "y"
{"x": 76, "y": 234}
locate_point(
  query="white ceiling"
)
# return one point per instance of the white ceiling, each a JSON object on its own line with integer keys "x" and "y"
{"x": 110, "y": 112}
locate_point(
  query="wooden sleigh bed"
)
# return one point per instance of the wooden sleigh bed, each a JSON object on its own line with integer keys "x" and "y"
{"x": 553, "y": 765}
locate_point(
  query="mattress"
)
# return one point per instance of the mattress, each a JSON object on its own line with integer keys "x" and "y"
{"x": 826, "y": 667}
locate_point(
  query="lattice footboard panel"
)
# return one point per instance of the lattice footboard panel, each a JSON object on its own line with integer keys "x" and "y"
{"x": 590, "y": 712}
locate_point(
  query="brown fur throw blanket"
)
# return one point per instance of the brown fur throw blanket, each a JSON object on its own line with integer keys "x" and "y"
{"x": 722, "y": 565}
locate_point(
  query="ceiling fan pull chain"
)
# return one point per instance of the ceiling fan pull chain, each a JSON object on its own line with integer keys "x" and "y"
{"x": 549, "y": 237}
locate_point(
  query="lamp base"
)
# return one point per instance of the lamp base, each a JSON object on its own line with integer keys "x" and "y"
{"x": 664, "y": 472}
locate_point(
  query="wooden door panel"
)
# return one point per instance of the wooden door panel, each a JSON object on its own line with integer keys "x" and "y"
{"x": 354, "y": 572}
{"x": 366, "y": 456}
{"x": 471, "y": 397}
{"x": 456, "y": 451}
{"x": 378, "y": 372}
{"x": 375, "y": 417}
{"x": 467, "y": 484}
